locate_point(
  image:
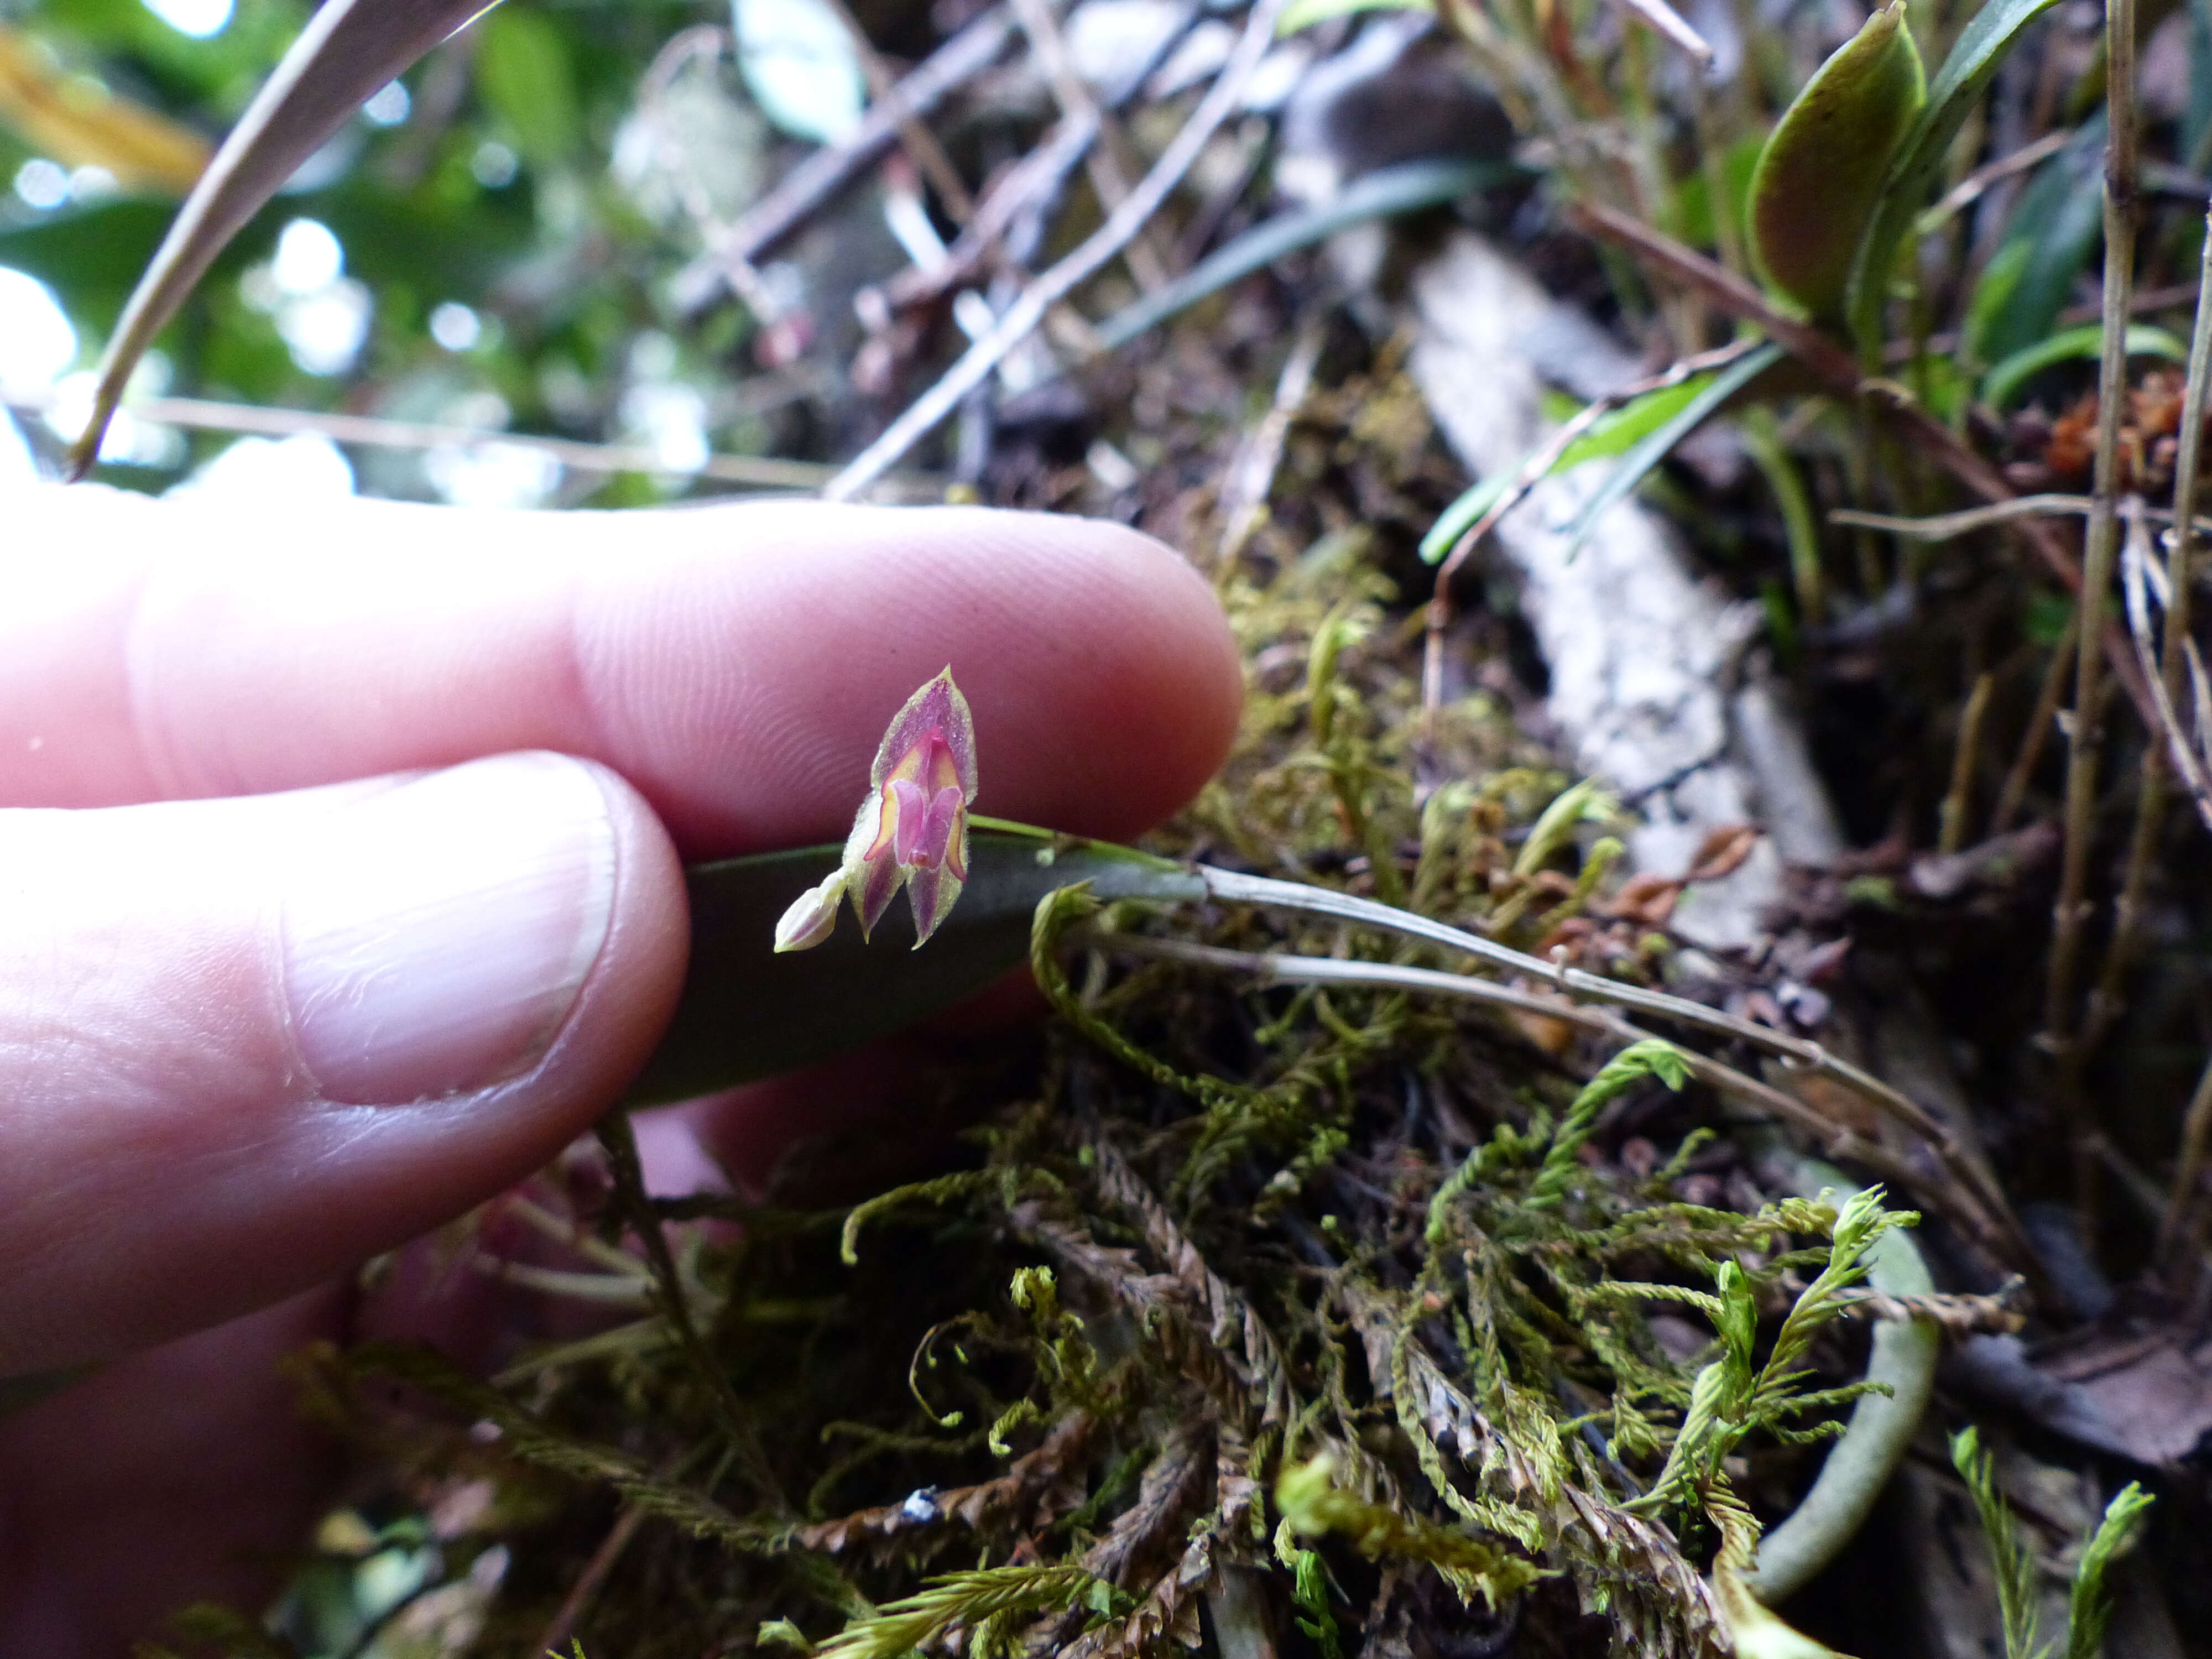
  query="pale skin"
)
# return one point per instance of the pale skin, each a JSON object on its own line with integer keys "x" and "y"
{"x": 340, "y": 854}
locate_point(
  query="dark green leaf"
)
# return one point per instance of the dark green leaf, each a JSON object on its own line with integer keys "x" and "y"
{"x": 1822, "y": 169}
{"x": 1406, "y": 187}
{"x": 747, "y": 1012}
{"x": 2006, "y": 380}
{"x": 2052, "y": 232}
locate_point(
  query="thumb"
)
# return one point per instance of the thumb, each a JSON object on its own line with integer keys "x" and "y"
{"x": 245, "y": 1044}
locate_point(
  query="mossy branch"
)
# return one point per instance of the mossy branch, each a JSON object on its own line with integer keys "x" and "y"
{"x": 1312, "y": 1503}
{"x": 984, "y": 1602}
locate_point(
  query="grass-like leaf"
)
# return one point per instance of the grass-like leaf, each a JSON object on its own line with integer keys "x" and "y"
{"x": 2005, "y": 381}
{"x": 1655, "y": 446}
{"x": 349, "y": 51}
{"x": 1612, "y": 435}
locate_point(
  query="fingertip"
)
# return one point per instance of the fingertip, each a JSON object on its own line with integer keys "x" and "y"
{"x": 748, "y": 692}
{"x": 1154, "y": 676}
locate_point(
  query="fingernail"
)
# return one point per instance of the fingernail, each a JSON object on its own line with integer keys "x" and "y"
{"x": 436, "y": 940}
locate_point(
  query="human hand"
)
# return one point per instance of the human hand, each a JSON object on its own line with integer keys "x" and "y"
{"x": 368, "y": 900}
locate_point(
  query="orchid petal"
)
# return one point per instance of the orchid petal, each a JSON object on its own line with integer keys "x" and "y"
{"x": 909, "y": 822}
{"x": 812, "y": 914}
{"x": 940, "y": 825}
{"x": 956, "y": 848}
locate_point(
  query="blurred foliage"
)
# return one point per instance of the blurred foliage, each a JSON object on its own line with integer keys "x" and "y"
{"x": 487, "y": 185}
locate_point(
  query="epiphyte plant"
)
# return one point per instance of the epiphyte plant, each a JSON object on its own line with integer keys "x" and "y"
{"x": 912, "y": 828}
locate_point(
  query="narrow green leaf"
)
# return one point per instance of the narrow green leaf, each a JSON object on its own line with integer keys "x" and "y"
{"x": 1982, "y": 46}
{"x": 2004, "y": 381}
{"x": 1463, "y": 514}
{"x": 1647, "y": 454}
{"x": 349, "y": 51}
{"x": 747, "y": 1012}
{"x": 1305, "y": 13}
{"x": 2054, "y": 226}
{"x": 1408, "y": 187}
{"x": 1821, "y": 170}
{"x": 1611, "y": 434}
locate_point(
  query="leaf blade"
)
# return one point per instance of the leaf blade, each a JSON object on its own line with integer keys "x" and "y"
{"x": 2004, "y": 381}
{"x": 1819, "y": 173}
{"x": 1651, "y": 449}
{"x": 746, "y": 1012}
{"x": 1981, "y": 47}
{"x": 1612, "y": 434}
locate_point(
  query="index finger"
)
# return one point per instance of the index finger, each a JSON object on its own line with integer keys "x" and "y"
{"x": 737, "y": 664}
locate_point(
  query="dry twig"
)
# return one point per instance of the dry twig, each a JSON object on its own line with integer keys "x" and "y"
{"x": 924, "y": 415}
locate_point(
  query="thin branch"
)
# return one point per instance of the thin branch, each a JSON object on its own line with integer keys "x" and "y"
{"x": 1970, "y": 189}
{"x": 1959, "y": 800}
{"x": 2100, "y": 546}
{"x": 2036, "y": 733}
{"x": 2143, "y": 584}
{"x": 2197, "y": 1128}
{"x": 1251, "y": 476}
{"x": 921, "y": 144}
{"x": 1108, "y": 162}
{"x": 1027, "y": 186}
{"x": 1945, "y": 526}
{"x": 925, "y": 413}
{"x": 578, "y": 1599}
{"x": 751, "y": 472}
{"x": 2187, "y": 471}
{"x": 1669, "y": 22}
{"x": 709, "y": 41}
{"x": 2168, "y": 750}
{"x": 2181, "y": 1240}
{"x": 835, "y": 168}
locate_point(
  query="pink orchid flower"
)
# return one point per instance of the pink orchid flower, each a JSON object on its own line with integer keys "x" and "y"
{"x": 912, "y": 830}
